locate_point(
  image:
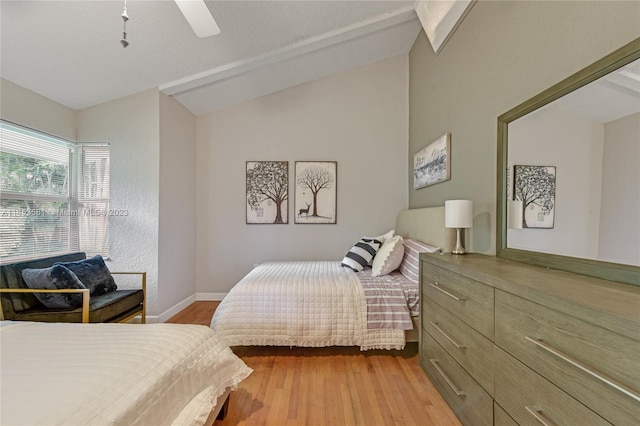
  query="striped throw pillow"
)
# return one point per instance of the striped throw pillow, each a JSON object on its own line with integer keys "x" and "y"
{"x": 409, "y": 267}
{"x": 361, "y": 254}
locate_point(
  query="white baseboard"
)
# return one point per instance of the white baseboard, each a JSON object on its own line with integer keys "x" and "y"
{"x": 210, "y": 297}
{"x": 198, "y": 297}
{"x": 150, "y": 319}
{"x": 172, "y": 310}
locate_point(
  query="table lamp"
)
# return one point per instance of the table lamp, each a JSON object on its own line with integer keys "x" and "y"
{"x": 458, "y": 214}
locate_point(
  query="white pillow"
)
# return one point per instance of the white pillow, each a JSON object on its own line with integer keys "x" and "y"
{"x": 384, "y": 237}
{"x": 387, "y": 236}
{"x": 388, "y": 257}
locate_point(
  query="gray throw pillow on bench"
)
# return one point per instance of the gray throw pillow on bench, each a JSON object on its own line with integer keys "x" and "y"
{"x": 55, "y": 277}
{"x": 93, "y": 273}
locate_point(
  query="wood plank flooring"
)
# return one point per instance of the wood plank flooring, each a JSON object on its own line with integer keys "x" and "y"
{"x": 329, "y": 386}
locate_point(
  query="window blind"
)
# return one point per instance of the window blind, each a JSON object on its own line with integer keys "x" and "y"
{"x": 54, "y": 195}
{"x": 93, "y": 199}
{"x": 26, "y": 142}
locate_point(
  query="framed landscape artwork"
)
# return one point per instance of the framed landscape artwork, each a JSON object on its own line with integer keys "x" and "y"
{"x": 316, "y": 192}
{"x": 535, "y": 186}
{"x": 267, "y": 192}
{"x": 432, "y": 164}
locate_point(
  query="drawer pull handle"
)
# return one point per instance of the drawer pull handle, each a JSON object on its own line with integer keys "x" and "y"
{"x": 600, "y": 376}
{"x": 446, "y": 378}
{"x": 453, "y": 296}
{"x": 536, "y": 413}
{"x": 449, "y": 338}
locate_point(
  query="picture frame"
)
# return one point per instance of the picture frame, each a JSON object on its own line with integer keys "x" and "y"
{"x": 432, "y": 164}
{"x": 267, "y": 196}
{"x": 316, "y": 192}
{"x": 535, "y": 186}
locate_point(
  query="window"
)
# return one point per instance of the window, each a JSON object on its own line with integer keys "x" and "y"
{"x": 54, "y": 195}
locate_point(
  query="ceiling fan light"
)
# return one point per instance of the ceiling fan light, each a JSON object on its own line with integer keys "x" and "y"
{"x": 199, "y": 17}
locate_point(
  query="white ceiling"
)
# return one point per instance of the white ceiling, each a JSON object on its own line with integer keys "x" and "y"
{"x": 614, "y": 96}
{"x": 70, "y": 51}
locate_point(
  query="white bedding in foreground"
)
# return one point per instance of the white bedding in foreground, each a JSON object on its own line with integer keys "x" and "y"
{"x": 112, "y": 374}
{"x": 303, "y": 303}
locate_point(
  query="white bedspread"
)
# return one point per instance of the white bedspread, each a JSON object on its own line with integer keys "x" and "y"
{"x": 304, "y": 303}
{"x": 112, "y": 374}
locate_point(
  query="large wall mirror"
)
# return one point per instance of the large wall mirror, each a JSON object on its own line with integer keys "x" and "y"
{"x": 569, "y": 173}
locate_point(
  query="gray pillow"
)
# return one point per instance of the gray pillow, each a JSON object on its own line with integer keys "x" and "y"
{"x": 93, "y": 273}
{"x": 55, "y": 277}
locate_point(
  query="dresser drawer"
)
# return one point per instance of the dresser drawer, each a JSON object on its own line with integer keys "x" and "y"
{"x": 469, "y": 348}
{"x": 467, "y": 299}
{"x": 599, "y": 368}
{"x": 469, "y": 401}
{"x": 531, "y": 400}
{"x": 501, "y": 418}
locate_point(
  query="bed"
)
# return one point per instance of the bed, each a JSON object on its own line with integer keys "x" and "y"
{"x": 113, "y": 374}
{"x": 322, "y": 303}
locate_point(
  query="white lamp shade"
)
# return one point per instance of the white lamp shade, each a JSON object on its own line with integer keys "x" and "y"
{"x": 458, "y": 213}
{"x": 514, "y": 214}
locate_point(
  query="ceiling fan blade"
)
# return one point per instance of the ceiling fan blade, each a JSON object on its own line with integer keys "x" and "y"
{"x": 199, "y": 17}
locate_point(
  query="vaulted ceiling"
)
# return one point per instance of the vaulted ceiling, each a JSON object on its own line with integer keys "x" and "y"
{"x": 70, "y": 51}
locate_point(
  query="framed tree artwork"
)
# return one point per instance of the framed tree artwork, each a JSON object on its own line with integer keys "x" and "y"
{"x": 535, "y": 186}
{"x": 316, "y": 192}
{"x": 267, "y": 192}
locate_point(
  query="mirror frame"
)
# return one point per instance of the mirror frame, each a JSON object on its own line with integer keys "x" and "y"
{"x": 629, "y": 274}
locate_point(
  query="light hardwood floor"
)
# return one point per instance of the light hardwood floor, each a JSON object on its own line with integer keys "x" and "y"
{"x": 329, "y": 386}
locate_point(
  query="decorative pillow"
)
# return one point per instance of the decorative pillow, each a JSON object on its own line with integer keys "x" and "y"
{"x": 382, "y": 238}
{"x": 94, "y": 274}
{"x": 361, "y": 254}
{"x": 409, "y": 267}
{"x": 388, "y": 257}
{"x": 55, "y": 277}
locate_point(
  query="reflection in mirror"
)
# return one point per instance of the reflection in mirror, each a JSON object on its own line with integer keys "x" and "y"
{"x": 588, "y": 146}
{"x": 570, "y": 157}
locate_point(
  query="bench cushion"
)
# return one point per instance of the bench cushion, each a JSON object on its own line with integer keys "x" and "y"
{"x": 110, "y": 307}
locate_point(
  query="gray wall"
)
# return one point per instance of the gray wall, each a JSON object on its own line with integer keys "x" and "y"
{"x": 22, "y": 106}
{"x": 620, "y": 233}
{"x": 131, "y": 126}
{"x": 358, "y": 118}
{"x": 177, "y": 207}
{"x": 573, "y": 144}
{"x": 503, "y": 53}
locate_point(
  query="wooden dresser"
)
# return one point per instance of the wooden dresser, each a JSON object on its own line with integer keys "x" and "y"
{"x": 508, "y": 343}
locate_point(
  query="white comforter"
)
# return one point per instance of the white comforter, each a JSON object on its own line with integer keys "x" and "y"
{"x": 304, "y": 303}
{"x": 112, "y": 374}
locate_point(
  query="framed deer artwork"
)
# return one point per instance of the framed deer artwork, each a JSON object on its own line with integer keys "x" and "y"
{"x": 316, "y": 192}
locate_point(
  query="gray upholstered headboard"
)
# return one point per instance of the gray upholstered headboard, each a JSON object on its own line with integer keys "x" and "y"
{"x": 427, "y": 225}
